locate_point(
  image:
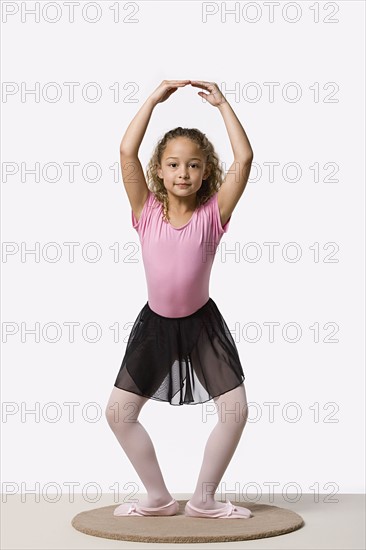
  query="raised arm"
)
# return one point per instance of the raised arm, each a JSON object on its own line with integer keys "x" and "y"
{"x": 132, "y": 173}
{"x": 238, "y": 173}
{"x": 135, "y": 132}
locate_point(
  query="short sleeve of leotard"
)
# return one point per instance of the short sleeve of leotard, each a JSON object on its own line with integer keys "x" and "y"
{"x": 141, "y": 224}
{"x": 212, "y": 207}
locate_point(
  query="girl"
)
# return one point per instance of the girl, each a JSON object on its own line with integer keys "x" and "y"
{"x": 180, "y": 349}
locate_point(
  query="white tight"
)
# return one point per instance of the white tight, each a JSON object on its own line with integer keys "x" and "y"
{"x": 122, "y": 413}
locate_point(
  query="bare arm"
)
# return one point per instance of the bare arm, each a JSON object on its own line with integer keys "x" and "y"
{"x": 135, "y": 132}
{"x": 241, "y": 147}
{"x": 132, "y": 172}
{"x": 237, "y": 176}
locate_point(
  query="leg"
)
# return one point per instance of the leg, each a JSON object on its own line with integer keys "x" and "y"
{"x": 232, "y": 416}
{"x": 122, "y": 413}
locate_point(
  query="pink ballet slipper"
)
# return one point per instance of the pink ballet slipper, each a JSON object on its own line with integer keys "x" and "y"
{"x": 133, "y": 509}
{"x": 229, "y": 511}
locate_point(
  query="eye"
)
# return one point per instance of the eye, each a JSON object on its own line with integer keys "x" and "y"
{"x": 194, "y": 165}
{"x": 172, "y": 163}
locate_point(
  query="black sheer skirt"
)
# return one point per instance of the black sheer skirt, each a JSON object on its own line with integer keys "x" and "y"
{"x": 181, "y": 360}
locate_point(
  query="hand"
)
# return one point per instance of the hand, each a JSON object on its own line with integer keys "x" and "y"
{"x": 166, "y": 89}
{"x": 215, "y": 97}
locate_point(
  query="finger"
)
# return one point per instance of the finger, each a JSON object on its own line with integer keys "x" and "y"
{"x": 172, "y": 86}
{"x": 175, "y": 86}
{"x": 200, "y": 85}
{"x": 179, "y": 82}
{"x": 201, "y": 82}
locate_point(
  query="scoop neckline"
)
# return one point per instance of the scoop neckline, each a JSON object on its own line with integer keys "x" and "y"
{"x": 188, "y": 222}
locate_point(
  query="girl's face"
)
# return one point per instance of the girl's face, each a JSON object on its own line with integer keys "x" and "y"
{"x": 182, "y": 162}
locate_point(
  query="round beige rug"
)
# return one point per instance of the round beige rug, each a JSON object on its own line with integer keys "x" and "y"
{"x": 267, "y": 521}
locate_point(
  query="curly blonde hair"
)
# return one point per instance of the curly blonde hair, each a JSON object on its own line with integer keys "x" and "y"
{"x": 209, "y": 186}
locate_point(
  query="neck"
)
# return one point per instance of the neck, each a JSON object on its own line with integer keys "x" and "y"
{"x": 182, "y": 204}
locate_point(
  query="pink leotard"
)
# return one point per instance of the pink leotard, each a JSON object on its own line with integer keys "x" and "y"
{"x": 178, "y": 261}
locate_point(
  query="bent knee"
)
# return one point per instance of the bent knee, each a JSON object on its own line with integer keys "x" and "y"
{"x": 121, "y": 417}
{"x": 110, "y": 415}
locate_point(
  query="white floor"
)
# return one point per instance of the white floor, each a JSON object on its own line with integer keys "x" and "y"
{"x": 42, "y": 525}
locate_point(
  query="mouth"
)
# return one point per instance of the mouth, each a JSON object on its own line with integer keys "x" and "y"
{"x": 183, "y": 184}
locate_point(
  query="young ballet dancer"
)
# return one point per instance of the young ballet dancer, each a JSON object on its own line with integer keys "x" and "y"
{"x": 180, "y": 349}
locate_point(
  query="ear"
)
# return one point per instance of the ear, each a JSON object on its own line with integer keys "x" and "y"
{"x": 207, "y": 172}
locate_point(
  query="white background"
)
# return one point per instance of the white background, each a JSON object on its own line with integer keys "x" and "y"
{"x": 321, "y": 293}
